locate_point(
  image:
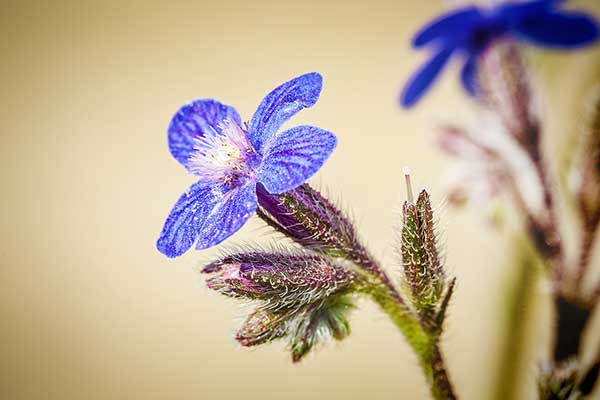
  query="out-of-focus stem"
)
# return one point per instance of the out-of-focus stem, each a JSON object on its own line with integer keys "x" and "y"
{"x": 519, "y": 304}
{"x": 551, "y": 248}
{"x": 590, "y": 377}
{"x": 587, "y": 242}
{"x": 572, "y": 319}
{"x": 595, "y": 299}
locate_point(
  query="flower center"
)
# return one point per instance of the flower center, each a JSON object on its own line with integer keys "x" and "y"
{"x": 223, "y": 155}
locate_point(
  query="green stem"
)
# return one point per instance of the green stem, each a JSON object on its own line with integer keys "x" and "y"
{"x": 425, "y": 346}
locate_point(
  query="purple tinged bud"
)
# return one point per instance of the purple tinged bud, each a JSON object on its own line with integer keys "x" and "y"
{"x": 307, "y": 217}
{"x": 302, "y": 296}
{"x": 279, "y": 280}
{"x": 263, "y": 326}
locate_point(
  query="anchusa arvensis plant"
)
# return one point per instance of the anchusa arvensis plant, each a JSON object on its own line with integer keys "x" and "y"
{"x": 303, "y": 291}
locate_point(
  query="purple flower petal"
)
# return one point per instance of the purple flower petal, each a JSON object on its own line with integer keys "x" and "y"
{"x": 554, "y": 29}
{"x": 194, "y": 120}
{"x": 468, "y": 75}
{"x": 422, "y": 80}
{"x": 181, "y": 228}
{"x": 454, "y": 23}
{"x": 207, "y": 214}
{"x": 294, "y": 156}
{"x": 282, "y": 104}
{"x": 235, "y": 207}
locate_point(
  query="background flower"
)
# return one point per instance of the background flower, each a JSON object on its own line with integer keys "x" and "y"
{"x": 471, "y": 30}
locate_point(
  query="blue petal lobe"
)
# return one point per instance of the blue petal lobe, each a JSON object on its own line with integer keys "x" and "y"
{"x": 191, "y": 210}
{"x": 233, "y": 210}
{"x": 424, "y": 77}
{"x": 448, "y": 25}
{"x": 207, "y": 214}
{"x": 281, "y": 104}
{"x": 294, "y": 156}
{"x": 468, "y": 75}
{"x": 196, "y": 119}
{"x": 554, "y": 29}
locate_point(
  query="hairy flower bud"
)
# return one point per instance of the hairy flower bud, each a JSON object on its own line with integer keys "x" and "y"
{"x": 263, "y": 326}
{"x": 318, "y": 323}
{"x": 301, "y": 296}
{"x": 305, "y": 327}
{"x": 305, "y": 216}
{"x": 423, "y": 269}
{"x": 280, "y": 280}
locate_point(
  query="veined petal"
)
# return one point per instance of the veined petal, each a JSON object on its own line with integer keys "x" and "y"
{"x": 424, "y": 77}
{"x": 194, "y": 121}
{"x": 281, "y": 104}
{"x": 207, "y": 214}
{"x": 189, "y": 213}
{"x": 468, "y": 75}
{"x": 555, "y": 29}
{"x": 447, "y": 25}
{"x": 235, "y": 207}
{"x": 294, "y": 156}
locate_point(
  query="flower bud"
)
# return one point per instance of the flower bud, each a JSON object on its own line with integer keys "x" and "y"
{"x": 279, "y": 280}
{"x": 424, "y": 274}
{"x": 420, "y": 257}
{"x": 307, "y": 217}
{"x": 301, "y": 296}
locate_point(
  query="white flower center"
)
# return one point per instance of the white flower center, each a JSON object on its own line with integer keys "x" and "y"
{"x": 222, "y": 154}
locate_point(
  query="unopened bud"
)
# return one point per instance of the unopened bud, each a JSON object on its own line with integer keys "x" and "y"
{"x": 423, "y": 270}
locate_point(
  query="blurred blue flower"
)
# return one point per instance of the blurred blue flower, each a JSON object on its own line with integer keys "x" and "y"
{"x": 230, "y": 158}
{"x": 469, "y": 31}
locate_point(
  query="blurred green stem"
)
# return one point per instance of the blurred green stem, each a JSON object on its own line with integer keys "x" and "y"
{"x": 521, "y": 299}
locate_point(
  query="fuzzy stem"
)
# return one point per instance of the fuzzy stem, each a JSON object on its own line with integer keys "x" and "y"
{"x": 425, "y": 346}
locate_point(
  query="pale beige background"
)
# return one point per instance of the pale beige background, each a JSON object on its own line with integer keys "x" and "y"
{"x": 90, "y": 310}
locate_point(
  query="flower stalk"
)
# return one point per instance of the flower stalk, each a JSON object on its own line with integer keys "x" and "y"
{"x": 307, "y": 217}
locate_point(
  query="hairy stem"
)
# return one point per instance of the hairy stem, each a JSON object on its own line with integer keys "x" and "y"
{"x": 425, "y": 346}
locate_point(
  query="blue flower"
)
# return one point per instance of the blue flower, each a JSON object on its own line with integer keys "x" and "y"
{"x": 471, "y": 30}
{"x": 230, "y": 159}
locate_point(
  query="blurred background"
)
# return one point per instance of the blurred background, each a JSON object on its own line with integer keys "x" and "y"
{"x": 91, "y": 310}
